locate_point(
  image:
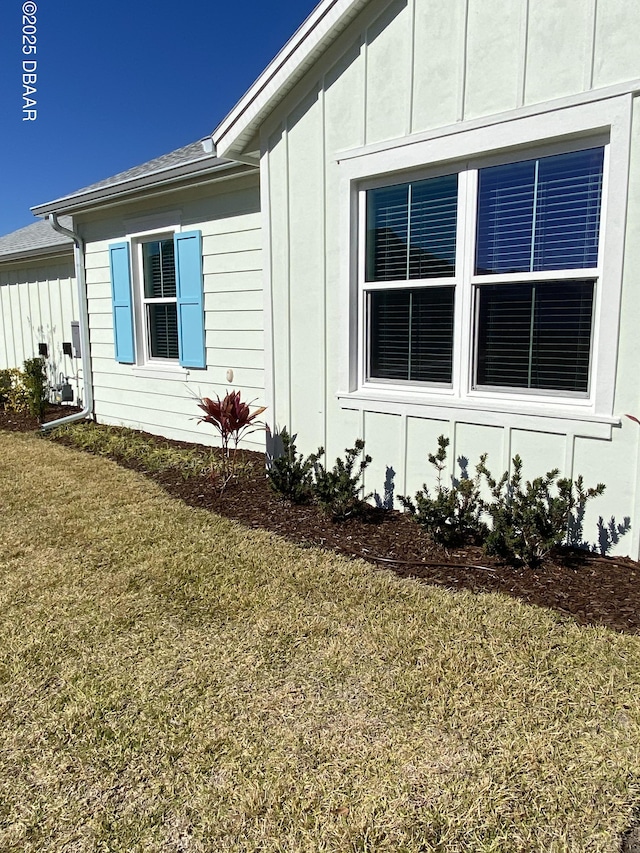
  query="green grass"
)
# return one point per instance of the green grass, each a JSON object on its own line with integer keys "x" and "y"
{"x": 170, "y": 681}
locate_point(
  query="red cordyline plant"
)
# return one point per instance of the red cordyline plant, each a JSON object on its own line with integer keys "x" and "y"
{"x": 234, "y": 420}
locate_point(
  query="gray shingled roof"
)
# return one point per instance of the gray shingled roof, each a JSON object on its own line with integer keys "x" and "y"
{"x": 187, "y": 154}
{"x": 182, "y": 161}
{"x": 36, "y": 239}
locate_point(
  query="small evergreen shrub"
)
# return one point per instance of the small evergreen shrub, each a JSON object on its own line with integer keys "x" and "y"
{"x": 452, "y": 515}
{"x": 35, "y": 381}
{"x": 17, "y": 397}
{"x": 530, "y": 519}
{"x": 290, "y": 474}
{"x": 338, "y": 491}
{"x": 5, "y": 386}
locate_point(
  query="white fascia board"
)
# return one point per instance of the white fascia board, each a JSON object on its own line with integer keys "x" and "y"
{"x": 123, "y": 189}
{"x": 282, "y": 73}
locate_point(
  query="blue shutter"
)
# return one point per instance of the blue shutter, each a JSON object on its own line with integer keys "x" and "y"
{"x": 188, "y": 251}
{"x": 122, "y": 303}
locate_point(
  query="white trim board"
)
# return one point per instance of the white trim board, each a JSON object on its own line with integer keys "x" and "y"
{"x": 502, "y": 119}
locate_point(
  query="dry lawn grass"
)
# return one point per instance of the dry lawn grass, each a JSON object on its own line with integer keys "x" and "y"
{"x": 170, "y": 681}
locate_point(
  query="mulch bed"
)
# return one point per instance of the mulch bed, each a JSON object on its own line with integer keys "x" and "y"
{"x": 590, "y": 589}
{"x": 21, "y": 422}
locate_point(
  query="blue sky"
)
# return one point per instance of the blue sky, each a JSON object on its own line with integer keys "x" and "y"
{"x": 119, "y": 83}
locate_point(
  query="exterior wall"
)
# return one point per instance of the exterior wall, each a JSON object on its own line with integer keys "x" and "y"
{"x": 162, "y": 402}
{"x": 38, "y": 301}
{"x": 412, "y": 67}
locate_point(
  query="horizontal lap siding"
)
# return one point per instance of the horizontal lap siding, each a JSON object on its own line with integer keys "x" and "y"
{"x": 233, "y": 300}
{"x": 38, "y": 301}
{"x": 409, "y": 67}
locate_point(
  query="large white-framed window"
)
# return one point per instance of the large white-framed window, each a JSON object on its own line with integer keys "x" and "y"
{"x": 490, "y": 275}
{"x": 533, "y": 255}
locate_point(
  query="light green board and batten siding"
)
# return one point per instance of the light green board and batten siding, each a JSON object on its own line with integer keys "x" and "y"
{"x": 125, "y": 394}
{"x": 407, "y": 68}
{"x": 38, "y": 301}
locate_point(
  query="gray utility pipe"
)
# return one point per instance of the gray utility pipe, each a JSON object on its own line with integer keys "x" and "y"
{"x": 78, "y": 252}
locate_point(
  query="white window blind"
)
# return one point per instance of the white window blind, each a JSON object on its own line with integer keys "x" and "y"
{"x": 411, "y": 237}
{"x": 412, "y": 334}
{"x": 411, "y": 230}
{"x": 541, "y": 214}
{"x": 537, "y": 216}
{"x": 535, "y": 335}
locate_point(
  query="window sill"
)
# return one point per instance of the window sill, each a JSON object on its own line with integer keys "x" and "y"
{"x": 172, "y": 373}
{"x": 522, "y": 414}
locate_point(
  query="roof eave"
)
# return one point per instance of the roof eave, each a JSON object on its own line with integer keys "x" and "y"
{"x": 282, "y": 73}
{"x": 126, "y": 189}
{"x": 40, "y": 253}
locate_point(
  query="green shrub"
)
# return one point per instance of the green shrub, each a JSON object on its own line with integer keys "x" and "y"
{"x": 290, "y": 474}
{"x": 17, "y": 399}
{"x": 452, "y": 515}
{"x": 530, "y": 519}
{"x": 35, "y": 381}
{"x": 338, "y": 491}
{"x": 5, "y": 386}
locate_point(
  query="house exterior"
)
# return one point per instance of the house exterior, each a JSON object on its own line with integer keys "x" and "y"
{"x": 171, "y": 254}
{"x": 450, "y": 208}
{"x": 38, "y": 298}
{"x": 420, "y": 220}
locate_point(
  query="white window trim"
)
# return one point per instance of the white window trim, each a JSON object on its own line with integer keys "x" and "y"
{"x": 172, "y": 371}
{"x": 517, "y": 139}
{"x": 145, "y": 365}
{"x": 466, "y": 283}
{"x": 366, "y": 287}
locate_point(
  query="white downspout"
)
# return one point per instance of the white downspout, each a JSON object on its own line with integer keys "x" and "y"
{"x": 87, "y": 411}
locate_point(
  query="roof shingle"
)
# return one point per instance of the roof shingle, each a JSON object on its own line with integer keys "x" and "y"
{"x": 34, "y": 239}
{"x": 193, "y": 153}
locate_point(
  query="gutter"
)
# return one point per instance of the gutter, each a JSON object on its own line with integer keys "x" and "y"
{"x": 121, "y": 190}
{"x": 87, "y": 411}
